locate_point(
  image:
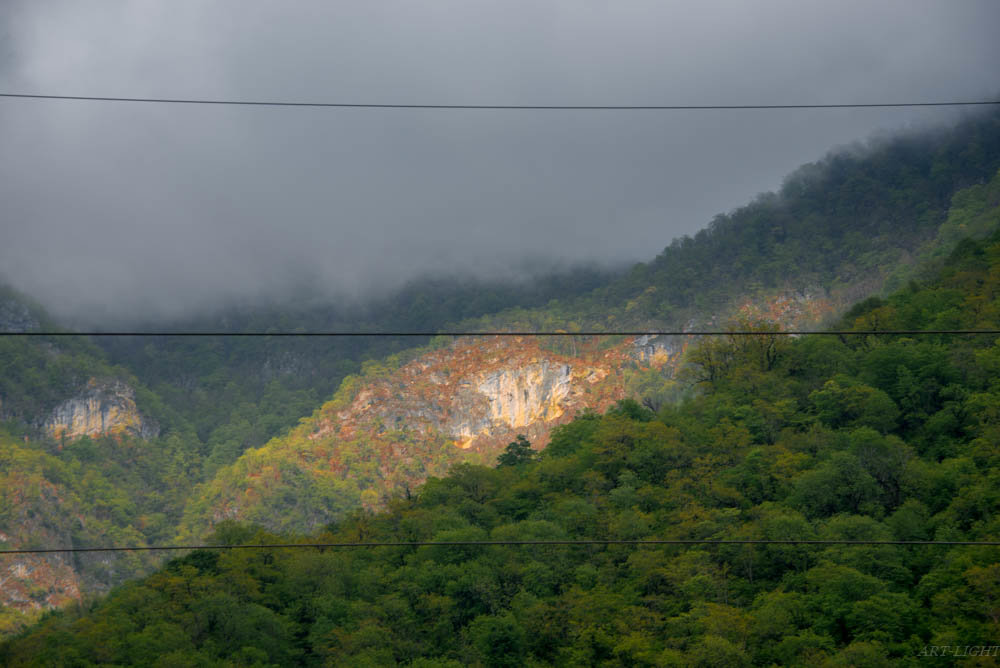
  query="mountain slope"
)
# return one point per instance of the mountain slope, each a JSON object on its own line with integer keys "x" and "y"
{"x": 840, "y": 439}
{"x": 238, "y": 393}
{"x": 82, "y": 463}
{"x": 385, "y": 433}
{"x": 837, "y": 231}
{"x": 838, "y": 226}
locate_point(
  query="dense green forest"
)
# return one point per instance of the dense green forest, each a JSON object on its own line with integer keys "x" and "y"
{"x": 840, "y": 438}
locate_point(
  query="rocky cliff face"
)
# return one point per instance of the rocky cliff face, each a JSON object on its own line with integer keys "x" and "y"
{"x": 103, "y": 408}
{"x": 481, "y": 393}
{"x": 518, "y": 397}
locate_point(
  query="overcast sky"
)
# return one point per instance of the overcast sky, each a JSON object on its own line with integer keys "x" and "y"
{"x": 116, "y": 209}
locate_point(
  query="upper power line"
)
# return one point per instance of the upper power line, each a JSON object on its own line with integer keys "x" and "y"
{"x": 500, "y": 107}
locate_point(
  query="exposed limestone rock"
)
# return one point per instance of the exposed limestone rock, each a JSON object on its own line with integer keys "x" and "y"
{"x": 103, "y": 408}
{"x": 510, "y": 397}
{"x": 481, "y": 394}
{"x": 521, "y": 396}
{"x": 658, "y": 350}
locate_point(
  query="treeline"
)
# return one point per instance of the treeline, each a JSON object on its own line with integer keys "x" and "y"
{"x": 867, "y": 438}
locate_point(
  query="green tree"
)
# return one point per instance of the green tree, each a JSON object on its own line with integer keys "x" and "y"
{"x": 498, "y": 641}
{"x": 518, "y": 452}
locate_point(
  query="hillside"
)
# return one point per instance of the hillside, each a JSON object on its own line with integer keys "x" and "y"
{"x": 835, "y": 438}
{"x": 91, "y": 453}
{"x": 87, "y": 455}
{"x": 417, "y": 415}
{"x": 837, "y": 231}
{"x": 238, "y": 393}
{"x": 841, "y": 227}
{"x": 146, "y": 441}
{"x": 388, "y": 430}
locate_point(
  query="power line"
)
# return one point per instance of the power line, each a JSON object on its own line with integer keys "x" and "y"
{"x": 651, "y": 333}
{"x": 487, "y": 543}
{"x": 501, "y": 107}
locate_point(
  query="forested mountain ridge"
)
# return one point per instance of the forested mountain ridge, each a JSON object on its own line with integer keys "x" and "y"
{"x": 215, "y": 399}
{"x": 350, "y": 453}
{"x": 417, "y": 415}
{"x": 836, "y": 231}
{"x": 840, "y": 227}
{"x": 855, "y": 438}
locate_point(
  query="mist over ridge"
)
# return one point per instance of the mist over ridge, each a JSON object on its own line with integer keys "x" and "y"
{"x": 126, "y": 213}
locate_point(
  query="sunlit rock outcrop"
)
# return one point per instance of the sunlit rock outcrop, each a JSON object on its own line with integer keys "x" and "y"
{"x": 516, "y": 397}
{"x": 521, "y": 396}
{"x": 481, "y": 393}
{"x": 102, "y": 408}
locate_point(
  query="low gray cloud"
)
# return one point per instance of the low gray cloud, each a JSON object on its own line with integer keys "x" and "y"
{"x": 112, "y": 211}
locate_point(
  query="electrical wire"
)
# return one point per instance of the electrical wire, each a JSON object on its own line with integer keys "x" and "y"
{"x": 500, "y": 107}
